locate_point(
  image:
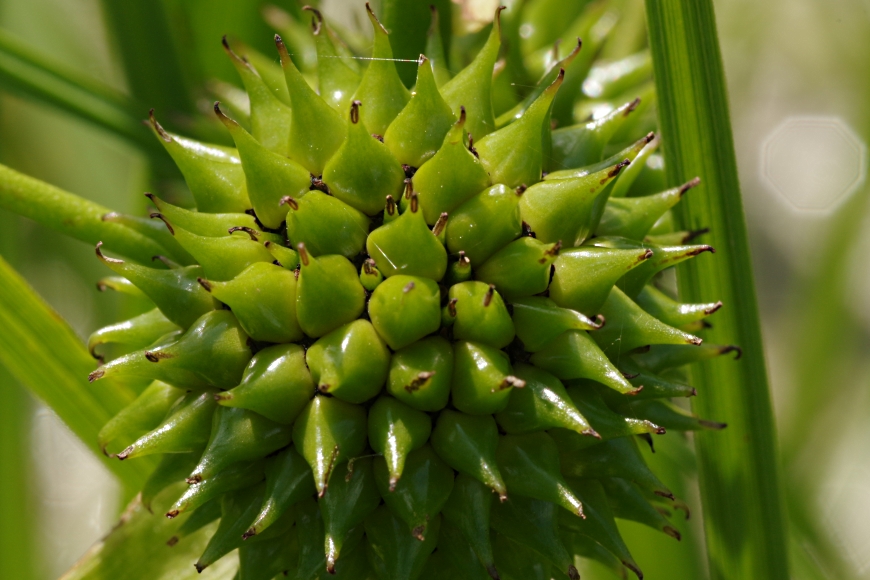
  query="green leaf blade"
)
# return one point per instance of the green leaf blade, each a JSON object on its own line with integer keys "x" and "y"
{"x": 43, "y": 353}
{"x": 739, "y": 473}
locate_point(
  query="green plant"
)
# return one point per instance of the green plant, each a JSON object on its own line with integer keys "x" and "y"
{"x": 520, "y": 260}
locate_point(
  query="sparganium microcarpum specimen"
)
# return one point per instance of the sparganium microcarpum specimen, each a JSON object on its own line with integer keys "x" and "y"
{"x": 405, "y": 338}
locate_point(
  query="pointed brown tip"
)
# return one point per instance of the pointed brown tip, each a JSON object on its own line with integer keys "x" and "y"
{"x": 249, "y": 533}
{"x": 713, "y": 308}
{"x": 693, "y": 392}
{"x": 96, "y": 375}
{"x": 633, "y": 567}
{"x": 418, "y": 532}
{"x": 695, "y": 340}
{"x": 591, "y": 433}
{"x": 223, "y": 396}
{"x": 193, "y": 480}
{"x": 573, "y": 574}
{"x": 125, "y": 453}
{"x": 172, "y": 541}
{"x": 303, "y": 254}
{"x": 665, "y": 493}
{"x": 158, "y": 127}
{"x": 172, "y": 514}
{"x": 204, "y": 283}
{"x": 226, "y": 43}
{"x": 521, "y": 189}
{"x": 375, "y": 21}
{"x": 599, "y": 321}
{"x": 649, "y": 137}
{"x": 440, "y": 224}
{"x": 689, "y": 185}
{"x": 200, "y": 567}
{"x": 732, "y": 348}
{"x": 715, "y": 425}
{"x": 161, "y": 217}
{"x": 490, "y": 293}
{"x": 632, "y": 106}
{"x": 646, "y": 255}
{"x": 672, "y": 532}
{"x": 317, "y": 21}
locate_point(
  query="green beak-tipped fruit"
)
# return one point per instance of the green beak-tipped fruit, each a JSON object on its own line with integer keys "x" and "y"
{"x": 386, "y": 312}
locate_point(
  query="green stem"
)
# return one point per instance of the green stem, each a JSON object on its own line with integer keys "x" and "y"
{"x": 43, "y": 353}
{"x": 739, "y": 473}
{"x": 71, "y": 215}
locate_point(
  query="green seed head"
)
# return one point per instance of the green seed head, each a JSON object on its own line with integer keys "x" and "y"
{"x": 386, "y": 343}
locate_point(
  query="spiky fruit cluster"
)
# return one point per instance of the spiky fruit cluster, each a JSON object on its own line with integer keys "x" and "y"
{"x": 379, "y": 348}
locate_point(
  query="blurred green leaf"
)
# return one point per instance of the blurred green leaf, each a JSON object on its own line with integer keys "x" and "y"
{"x": 408, "y": 23}
{"x": 71, "y": 215}
{"x": 739, "y": 479}
{"x": 136, "y": 550}
{"x": 17, "y": 527}
{"x": 43, "y": 353}
{"x": 26, "y": 72}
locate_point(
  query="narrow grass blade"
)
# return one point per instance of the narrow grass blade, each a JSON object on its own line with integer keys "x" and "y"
{"x": 43, "y": 353}
{"x": 26, "y": 72}
{"x": 71, "y": 215}
{"x": 739, "y": 473}
{"x": 17, "y": 529}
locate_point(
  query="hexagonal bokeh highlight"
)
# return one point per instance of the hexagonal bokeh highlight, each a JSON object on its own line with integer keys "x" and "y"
{"x": 813, "y": 163}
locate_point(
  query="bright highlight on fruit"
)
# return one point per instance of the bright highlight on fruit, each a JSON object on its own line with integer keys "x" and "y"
{"x": 401, "y": 337}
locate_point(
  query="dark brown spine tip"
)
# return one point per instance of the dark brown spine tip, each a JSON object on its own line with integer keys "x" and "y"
{"x": 226, "y": 43}
{"x": 172, "y": 541}
{"x": 630, "y": 376}
{"x": 303, "y": 254}
{"x": 172, "y": 514}
{"x": 204, "y": 283}
{"x": 391, "y": 205}
{"x": 632, "y": 106}
{"x": 440, "y": 224}
{"x": 702, "y": 249}
{"x": 317, "y": 21}
{"x": 125, "y": 453}
{"x": 497, "y": 19}
{"x": 451, "y": 307}
{"x": 150, "y": 196}
{"x": 591, "y": 433}
{"x": 249, "y": 533}
{"x": 158, "y": 127}
{"x": 713, "y": 308}
{"x": 693, "y": 392}
{"x": 646, "y": 255}
{"x": 415, "y": 202}
{"x": 659, "y": 430}
{"x": 409, "y": 187}
{"x": 635, "y": 392}
{"x": 199, "y": 567}
{"x": 96, "y": 375}
{"x": 418, "y": 533}
{"x": 162, "y": 218}
{"x": 421, "y": 59}
{"x": 374, "y": 18}
{"x": 689, "y": 185}
{"x": 633, "y": 567}
{"x": 672, "y": 532}
{"x": 462, "y": 116}
{"x": 521, "y": 189}
{"x": 665, "y": 493}
{"x": 561, "y": 76}
{"x": 695, "y": 340}
{"x": 649, "y": 137}
{"x": 354, "y": 111}
{"x": 369, "y": 267}
{"x": 408, "y": 287}
{"x": 573, "y": 574}
{"x": 599, "y": 321}
{"x": 252, "y": 233}
{"x": 193, "y": 480}
{"x": 733, "y": 348}
{"x": 487, "y": 298}
{"x": 715, "y": 425}
{"x": 512, "y": 381}
{"x": 463, "y": 259}
{"x": 287, "y": 200}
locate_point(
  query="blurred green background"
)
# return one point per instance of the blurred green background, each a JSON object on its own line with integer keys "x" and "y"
{"x": 799, "y": 82}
